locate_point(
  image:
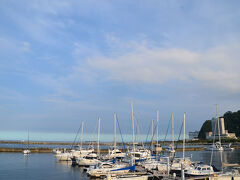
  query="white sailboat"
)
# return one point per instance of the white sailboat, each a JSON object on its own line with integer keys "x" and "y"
{"x": 115, "y": 152}
{"x": 73, "y": 153}
{"x": 91, "y": 159}
{"x": 216, "y": 146}
{"x": 27, "y": 151}
{"x": 171, "y": 148}
{"x": 139, "y": 154}
{"x": 106, "y": 168}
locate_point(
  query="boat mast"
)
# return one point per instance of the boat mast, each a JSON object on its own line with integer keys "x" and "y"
{"x": 157, "y": 126}
{"x": 98, "y": 150}
{"x": 133, "y": 127}
{"x": 184, "y": 120}
{"x": 82, "y": 134}
{"x": 219, "y": 138}
{"x": 152, "y": 133}
{"x": 28, "y": 140}
{"x": 172, "y": 131}
{"x": 115, "y": 131}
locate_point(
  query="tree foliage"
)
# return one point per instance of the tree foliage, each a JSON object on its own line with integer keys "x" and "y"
{"x": 231, "y": 121}
{"x": 206, "y": 127}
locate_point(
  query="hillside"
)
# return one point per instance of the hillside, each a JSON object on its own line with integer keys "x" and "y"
{"x": 232, "y": 124}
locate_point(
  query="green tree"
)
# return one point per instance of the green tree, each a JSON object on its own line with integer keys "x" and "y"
{"x": 206, "y": 127}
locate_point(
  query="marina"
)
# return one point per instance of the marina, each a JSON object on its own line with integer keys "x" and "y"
{"x": 156, "y": 159}
{"x": 119, "y": 90}
{"x": 45, "y": 166}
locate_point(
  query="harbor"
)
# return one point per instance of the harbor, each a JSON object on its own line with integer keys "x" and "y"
{"x": 119, "y": 90}
{"x": 155, "y": 159}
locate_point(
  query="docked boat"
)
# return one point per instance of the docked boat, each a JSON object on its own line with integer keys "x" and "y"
{"x": 200, "y": 170}
{"x": 116, "y": 153}
{"x": 170, "y": 149}
{"x": 106, "y": 169}
{"x": 128, "y": 177}
{"x": 139, "y": 155}
{"x": 88, "y": 160}
{"x": 67, "y": 155}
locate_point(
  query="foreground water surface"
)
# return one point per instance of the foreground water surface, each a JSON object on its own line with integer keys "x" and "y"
{"x": 44, "y": 165}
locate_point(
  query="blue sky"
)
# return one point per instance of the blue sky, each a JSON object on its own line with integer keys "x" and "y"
{"x": 63, "y": 62}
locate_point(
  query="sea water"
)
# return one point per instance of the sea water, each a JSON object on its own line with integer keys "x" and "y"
{"x": 43, "y": 166}
{"x": 69, "y": 137}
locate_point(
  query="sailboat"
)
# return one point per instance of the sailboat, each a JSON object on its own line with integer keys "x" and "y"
{"x": 139, "y": 154}
{"x": 73, "y": 154}
{"x": 216, "y": 146}
{"x": 115, "y": 152}
{"x": 170, "y": 148}
{"x": 91, "y": 159}
{"x": 27, "y": 151}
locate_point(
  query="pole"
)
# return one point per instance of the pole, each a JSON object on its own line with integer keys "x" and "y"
{"x": 98, "y": 151}
{"x": 218, "y": 125}
{"x": 82, "y": 134}
{"x": 157, "y": 126}
{"x": 133, "y": 127}
{"x": 152, "y": 134}
{"x": 172, "y": 131}
{"x": 184, "y": 121}
{"x": 115, "y": 131}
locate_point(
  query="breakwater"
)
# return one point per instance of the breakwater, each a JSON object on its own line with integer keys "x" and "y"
{"x": 47, "y": 147}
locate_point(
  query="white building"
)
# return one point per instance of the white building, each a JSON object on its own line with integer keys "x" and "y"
{"x": 219, "y": 130}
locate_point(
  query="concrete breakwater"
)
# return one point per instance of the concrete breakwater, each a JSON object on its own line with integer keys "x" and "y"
{"x": 48, "y": 148}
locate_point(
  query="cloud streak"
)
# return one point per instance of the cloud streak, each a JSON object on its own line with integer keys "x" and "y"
{"x": 216, "y": 68}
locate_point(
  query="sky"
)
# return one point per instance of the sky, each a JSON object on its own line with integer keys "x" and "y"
{"x": 67, "y": 61}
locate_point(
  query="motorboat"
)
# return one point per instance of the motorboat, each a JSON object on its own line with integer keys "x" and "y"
{"x": 200, "y": 170}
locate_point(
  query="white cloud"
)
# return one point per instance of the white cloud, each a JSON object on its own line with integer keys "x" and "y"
{"x": 216, "y": 68}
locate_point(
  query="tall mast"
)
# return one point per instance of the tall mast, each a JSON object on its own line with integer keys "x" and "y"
{"x": 115, "y": 130}
{"x": 152, "y": 134}
{"x": 98, "y": 150}
{"x": 184, "y": 121}
{"x": 28, "y": 140}
{"x": 82, "y": 134}
{"x": 172, "y": 131}
{"x": 133, "y": 127}
{"x": 157, "y": 126}
{"x": 218, "y": 125}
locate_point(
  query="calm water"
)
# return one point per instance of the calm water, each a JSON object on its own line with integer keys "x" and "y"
{"x": 69, "y": 137}
{"x": 44, "y": 166}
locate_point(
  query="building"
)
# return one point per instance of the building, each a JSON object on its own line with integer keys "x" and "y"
{"x": 219, "y": 128}
{"x": 193, "y": 135}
